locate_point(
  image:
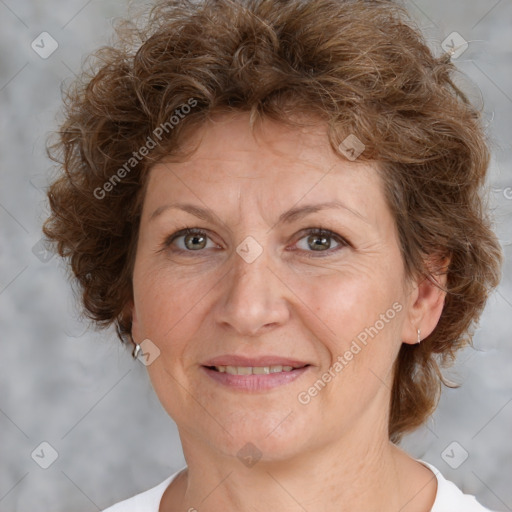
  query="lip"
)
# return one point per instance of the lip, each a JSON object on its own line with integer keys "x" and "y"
{"x": 254, "y": 383}
{"x": 266, "y": 360}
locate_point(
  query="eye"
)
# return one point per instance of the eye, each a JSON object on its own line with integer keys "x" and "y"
{"x": 319, "y": 240}
{"x": 188, "y": 240}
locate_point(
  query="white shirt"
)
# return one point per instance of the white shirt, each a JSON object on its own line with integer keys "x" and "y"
{"x": 449, "y": 497}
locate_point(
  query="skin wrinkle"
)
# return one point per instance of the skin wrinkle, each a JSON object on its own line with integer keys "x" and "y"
{"x": 364, "y": 68}
{"x": 360, "y": 69}
{"x": 286, "y": 304}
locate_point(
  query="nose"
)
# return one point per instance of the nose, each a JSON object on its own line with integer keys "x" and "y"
{"x": 253, "y": 298}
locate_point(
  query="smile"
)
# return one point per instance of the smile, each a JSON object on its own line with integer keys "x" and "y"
{"x": 254, "y": 370}
{"x": 254, "y": 378}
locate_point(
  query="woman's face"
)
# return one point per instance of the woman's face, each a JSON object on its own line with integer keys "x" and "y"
{"x": 256, "y": 288}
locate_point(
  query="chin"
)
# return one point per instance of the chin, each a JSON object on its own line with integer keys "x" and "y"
{"x": 271, "y": 436}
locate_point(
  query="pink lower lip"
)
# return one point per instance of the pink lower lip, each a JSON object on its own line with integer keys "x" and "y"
{"x": 255, "y": 382}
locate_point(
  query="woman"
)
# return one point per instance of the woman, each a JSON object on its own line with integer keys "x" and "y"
{"x": 278, "y": 206}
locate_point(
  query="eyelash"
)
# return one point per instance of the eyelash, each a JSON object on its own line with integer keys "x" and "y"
{"x": 306, "y": 232}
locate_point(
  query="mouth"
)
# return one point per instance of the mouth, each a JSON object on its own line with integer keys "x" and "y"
{"x": 255, "y": 376}
{"x": 255, "y": 370}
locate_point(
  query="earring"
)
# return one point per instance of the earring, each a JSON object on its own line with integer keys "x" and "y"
{"x": 419, "y": 336}
{"x": 136, "y": 350}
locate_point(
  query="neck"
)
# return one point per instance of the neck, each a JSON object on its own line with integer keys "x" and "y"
{"x": 365, "y": 473}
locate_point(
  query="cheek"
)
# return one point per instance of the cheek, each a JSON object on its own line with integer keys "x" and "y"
{"x": 169, "y": 306}
{"x": 358, "y": 327}
{"x": 348, "y": 300}
{"x": 356, "y": 320}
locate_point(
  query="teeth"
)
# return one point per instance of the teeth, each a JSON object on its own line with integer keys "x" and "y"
{"x": 261, "y": 370}
{"x": 253, "y": 370}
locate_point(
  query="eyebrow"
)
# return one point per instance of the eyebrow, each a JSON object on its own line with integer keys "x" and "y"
{"x": 292, "y": 215}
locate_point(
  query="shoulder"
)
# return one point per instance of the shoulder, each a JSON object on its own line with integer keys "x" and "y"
{"x": 147, "y": 501}
{"x": 450, "y": 498}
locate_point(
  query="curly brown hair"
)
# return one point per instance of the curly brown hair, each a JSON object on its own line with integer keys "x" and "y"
{"x": 362, "y": 66}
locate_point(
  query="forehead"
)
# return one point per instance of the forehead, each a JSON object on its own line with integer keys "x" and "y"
{"x": 274, "y": 166}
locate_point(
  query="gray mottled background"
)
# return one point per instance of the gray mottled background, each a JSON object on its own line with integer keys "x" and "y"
{"x": 80, "y": 391}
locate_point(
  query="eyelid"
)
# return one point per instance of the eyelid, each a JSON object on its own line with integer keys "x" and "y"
{"x": 342, "y": 241}
{"x": 168, "y": 240}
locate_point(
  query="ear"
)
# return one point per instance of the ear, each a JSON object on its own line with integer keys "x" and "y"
{"x": 426, "y": 302}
